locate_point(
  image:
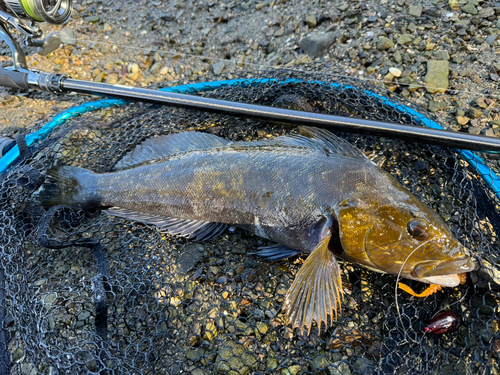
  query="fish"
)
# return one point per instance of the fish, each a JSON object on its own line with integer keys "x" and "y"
{"x": 310, "y": 192}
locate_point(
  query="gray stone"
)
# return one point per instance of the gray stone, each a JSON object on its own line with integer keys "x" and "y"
{"x": 486, "y": 12}
{"x": 68, "y": 36}
{"x": 384, "y": 43}
{"x": 491, "y": 39}
{"x": 435, "y": 106}
{"x": 415, "y": 10}
{"x": 498, "y": 24}
{"x": 383, "y": 13}
{"x": 84, "y": 315}
{"x": 441, "y": 55}
{"x": 364, "y": 366}
{"x": 319, "y": 362}
{"x": 469, "y": 8}
{"x": 317, "y": 45}
{"x": 218, "y": 67}
{"x": 92, "y": 19}
{"x": 372, "y": 19}
{"x": 191, "y": 255}
{"x": 436, "y": 79}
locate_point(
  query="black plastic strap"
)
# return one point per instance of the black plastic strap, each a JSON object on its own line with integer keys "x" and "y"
{"x": 99, "y": 283}
{"x": 21, "y": 143}
{"x": 101, "y": 307}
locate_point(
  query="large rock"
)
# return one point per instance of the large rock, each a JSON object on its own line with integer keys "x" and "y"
{"x": 436, "y": 79}
{"x": 317, "y": 45}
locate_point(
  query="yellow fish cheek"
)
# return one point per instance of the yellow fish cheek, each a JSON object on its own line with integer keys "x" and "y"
{"x": 353, "y": 227}
{"x": 391, "y": 257}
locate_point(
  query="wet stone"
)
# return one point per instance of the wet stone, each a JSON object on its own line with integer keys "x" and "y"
{"x": 28, "y": 369}
{"x": 292, "y": 370}
{"x": 18, "y": 356}
{"x": 320, "y": 362}
{"x": 84, "y": 315}
{"x": 229, "y": 359}
{"x": 192, "y": 254}
{"x": 364, "y": 366}
{"x": 271, "y": 364}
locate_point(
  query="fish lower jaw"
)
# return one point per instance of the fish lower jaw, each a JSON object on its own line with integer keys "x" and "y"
{"x": 445, "y": 280}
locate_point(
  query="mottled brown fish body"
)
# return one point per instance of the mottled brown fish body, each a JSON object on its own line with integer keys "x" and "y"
{"x": 280, "y": 192}
{"x": 310, "y": 193}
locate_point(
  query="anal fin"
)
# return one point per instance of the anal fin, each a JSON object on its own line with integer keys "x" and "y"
{"x": 198, "y": 230}
{"x": 317, "y": 289}
{"x": 275, "y": 252}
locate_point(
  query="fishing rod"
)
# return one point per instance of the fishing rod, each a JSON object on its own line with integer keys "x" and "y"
{"x": 17, "y": 75}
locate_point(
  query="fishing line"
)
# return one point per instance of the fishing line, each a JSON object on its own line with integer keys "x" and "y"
{"x": 277, "y": 66}
{"x": 396, "y": 290}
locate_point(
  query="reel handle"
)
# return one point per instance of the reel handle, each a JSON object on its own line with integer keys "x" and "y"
{"x": 14, "y": 79}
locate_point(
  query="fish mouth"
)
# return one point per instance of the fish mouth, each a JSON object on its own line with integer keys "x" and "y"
{"x": 448, "y": 267}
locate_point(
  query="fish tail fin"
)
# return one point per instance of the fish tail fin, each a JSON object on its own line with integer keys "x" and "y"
{"x": 68, "y": 186}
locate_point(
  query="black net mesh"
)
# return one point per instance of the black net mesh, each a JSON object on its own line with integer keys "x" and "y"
{"x": 84, "y": 292}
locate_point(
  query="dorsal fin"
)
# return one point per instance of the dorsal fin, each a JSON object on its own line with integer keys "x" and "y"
{"x": 330, "y": 142}
{"x": 311, "y": 138}
{"x": 171, "y": 144}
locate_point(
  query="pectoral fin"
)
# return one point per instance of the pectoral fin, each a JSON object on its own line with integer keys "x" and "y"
{"x": 317, "y": 289}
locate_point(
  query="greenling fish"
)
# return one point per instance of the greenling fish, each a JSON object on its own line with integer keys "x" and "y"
{"x": 312, "y": 192}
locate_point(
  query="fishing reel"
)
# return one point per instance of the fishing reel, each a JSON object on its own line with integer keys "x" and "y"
{"x": 52, "y": 11}
{"x": 23, "y": 15}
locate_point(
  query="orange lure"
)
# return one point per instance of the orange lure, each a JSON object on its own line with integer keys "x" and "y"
{"x": 433, "y": 288}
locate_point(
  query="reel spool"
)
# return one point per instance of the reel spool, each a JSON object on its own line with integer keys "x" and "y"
{"x": 51, "y": 11}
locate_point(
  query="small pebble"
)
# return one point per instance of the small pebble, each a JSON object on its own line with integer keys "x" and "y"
{"x": 395, "y": 72}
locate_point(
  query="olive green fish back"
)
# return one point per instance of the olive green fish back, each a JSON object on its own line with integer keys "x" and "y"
{"x": 83, "y": 292}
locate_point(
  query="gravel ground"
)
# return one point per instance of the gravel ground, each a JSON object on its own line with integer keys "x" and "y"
{"x": 442, "y": 55}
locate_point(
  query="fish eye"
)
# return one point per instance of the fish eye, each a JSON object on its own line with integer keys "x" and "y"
{"x": 416, "y": 228}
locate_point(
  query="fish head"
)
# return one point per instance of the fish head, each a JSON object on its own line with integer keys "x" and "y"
{"x": 406, "y": 238}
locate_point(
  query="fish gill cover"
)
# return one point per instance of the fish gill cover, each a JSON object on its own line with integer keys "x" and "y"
{"x": 86, "y": 292}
